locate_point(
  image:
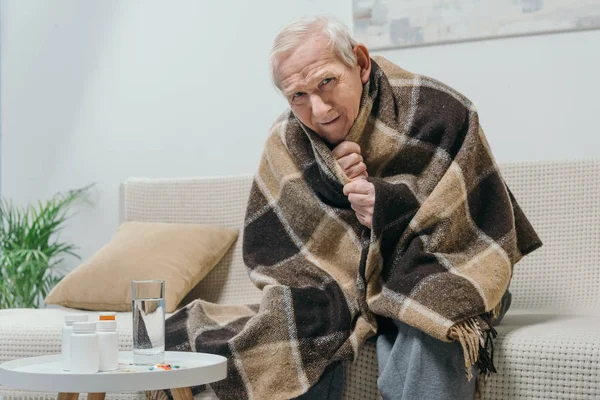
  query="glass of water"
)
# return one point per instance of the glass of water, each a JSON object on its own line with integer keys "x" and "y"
{"x": 148, "y": 306}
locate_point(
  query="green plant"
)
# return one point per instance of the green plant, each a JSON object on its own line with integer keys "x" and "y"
{"x": 31, "y": 255}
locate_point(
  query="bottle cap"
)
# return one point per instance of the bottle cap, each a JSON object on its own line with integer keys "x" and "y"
{"x": 107, "y": 316}
{"x": 71, "y": 318}
{"x": 106, "y": 326}
{"x": 84, "y": 327}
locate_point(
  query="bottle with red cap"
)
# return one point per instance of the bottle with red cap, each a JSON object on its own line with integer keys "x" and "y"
{"x": 108, "y": 342}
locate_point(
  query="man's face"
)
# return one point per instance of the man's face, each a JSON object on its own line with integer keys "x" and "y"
{"x": 323, "y": 92}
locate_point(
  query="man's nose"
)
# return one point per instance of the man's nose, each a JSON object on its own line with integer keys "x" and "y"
{"x": 320, "y": 109}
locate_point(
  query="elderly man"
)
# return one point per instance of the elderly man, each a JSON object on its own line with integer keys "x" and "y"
{"x": 377, "y": 212}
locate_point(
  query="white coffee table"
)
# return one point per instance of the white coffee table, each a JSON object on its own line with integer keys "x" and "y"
{"x": 45, "y": 374}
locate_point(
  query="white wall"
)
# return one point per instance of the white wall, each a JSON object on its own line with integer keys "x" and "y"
{"x": 98, "y": 91}
{"x": 537, "y": 96}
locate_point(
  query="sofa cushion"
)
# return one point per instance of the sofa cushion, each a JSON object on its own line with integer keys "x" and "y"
{"x": 547, "y": 354}
{"x": 179, "y": 254}
{"x": 542, "y": 354}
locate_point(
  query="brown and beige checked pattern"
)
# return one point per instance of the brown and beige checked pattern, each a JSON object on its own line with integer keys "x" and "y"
{"x": 446, "y": 235}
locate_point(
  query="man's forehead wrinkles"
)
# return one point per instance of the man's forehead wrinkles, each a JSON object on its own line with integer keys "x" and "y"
{"x": 311, "y": 69}
{"x": 307, "y": 77}
{"x": 312, "y": 65}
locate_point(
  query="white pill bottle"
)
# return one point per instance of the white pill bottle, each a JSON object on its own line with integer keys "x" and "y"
{"x": 84, "y": 348}
{"x": 108, "y": 345}
{"x": 67, "y": 332}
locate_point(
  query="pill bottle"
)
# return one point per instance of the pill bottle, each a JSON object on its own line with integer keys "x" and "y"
{"x": 67, "y": 331}
{"x": 108, "y": 345}
{"x": 84, "y": 348}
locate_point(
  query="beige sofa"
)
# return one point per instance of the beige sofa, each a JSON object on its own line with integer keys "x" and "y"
{"x": 549, "y": 342}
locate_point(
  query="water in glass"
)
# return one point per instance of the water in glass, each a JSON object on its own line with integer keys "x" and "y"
{"x": 148, "y": 331}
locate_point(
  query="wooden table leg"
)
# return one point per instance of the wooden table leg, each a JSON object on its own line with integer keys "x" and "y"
{"x": 96, "y": 396}
{"x": 68, "y": 396}
{"x": 182, "y": 394}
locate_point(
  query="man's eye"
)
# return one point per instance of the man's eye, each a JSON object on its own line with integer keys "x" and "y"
{"x": 326, "y": 83}
{"x": 297, "y": 95}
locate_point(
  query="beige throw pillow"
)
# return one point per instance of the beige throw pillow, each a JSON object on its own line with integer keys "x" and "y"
{"x": 179, "y": 254}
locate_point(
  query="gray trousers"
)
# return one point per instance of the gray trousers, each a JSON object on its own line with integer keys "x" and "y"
{"x": 412, "y": 365}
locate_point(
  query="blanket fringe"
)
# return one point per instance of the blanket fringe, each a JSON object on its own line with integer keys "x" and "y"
{"x": 476, "y": 336}
{"x": 495, "y": 313}
{"x": 156, "y": 395}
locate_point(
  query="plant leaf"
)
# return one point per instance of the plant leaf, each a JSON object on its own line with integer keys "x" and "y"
{"x": 31, "y": 254}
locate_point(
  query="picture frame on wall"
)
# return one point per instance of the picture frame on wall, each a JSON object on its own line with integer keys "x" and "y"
{"x": 382, "y": 24}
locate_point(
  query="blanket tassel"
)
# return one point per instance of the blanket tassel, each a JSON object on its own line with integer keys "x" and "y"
{"x": 486, "y": 352}
{"x": 476, "y": 336}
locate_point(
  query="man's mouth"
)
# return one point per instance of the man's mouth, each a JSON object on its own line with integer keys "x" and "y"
{"x": 330, "y": 122}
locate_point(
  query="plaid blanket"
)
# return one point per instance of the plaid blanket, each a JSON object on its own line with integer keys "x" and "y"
{"x": 446, "y": 234}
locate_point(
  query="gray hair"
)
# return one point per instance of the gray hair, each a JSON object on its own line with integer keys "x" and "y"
{"x": 292, "y": 35}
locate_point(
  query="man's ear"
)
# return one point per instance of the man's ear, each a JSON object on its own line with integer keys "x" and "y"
{"x": 364, "y": 61}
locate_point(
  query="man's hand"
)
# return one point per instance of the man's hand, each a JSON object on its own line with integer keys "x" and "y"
{"x": 361, "y": 194}
{"x": 348, "y": 156}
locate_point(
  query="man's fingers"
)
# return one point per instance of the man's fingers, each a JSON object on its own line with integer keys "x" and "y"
{"x": 345, "y": 148}
{"x": 359, "y": 199}
{"x": 361, "y": 195}
{"x": 360, "y": 186}
{"x": 359, "y": 213}
{"x": 357, "y": 170}
{"x": 368, "y": 222}
{"x": 349, "y": 160}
